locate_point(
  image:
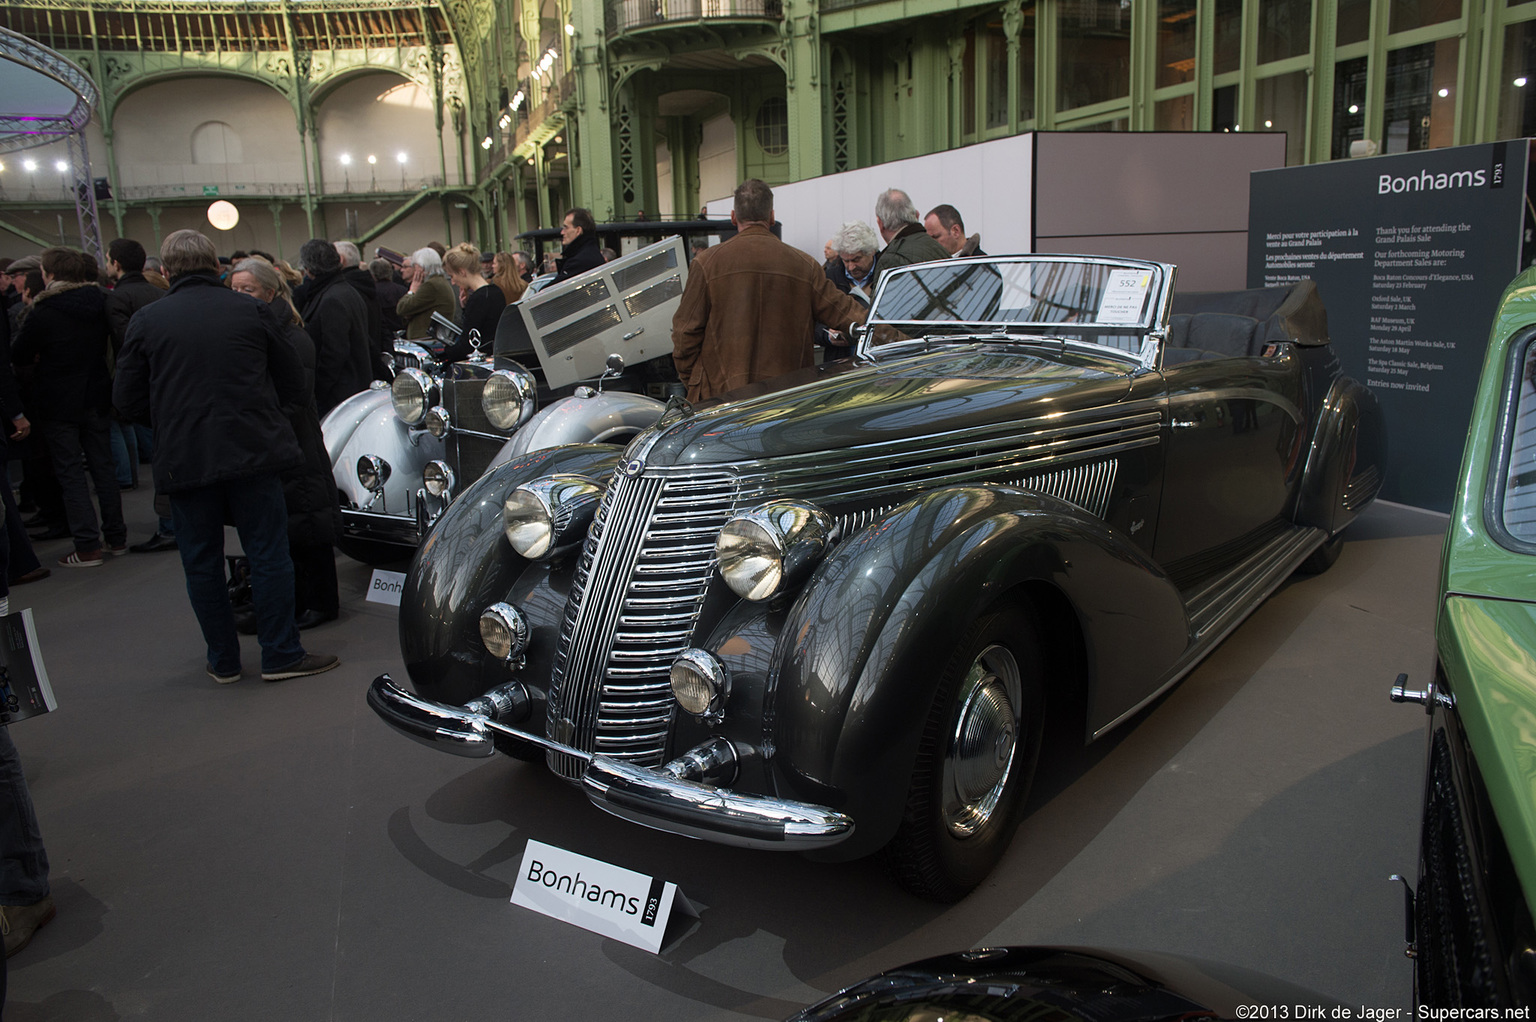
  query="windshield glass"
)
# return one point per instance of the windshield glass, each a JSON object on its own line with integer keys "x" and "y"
{"x": 1519, "y": 503}
{"x": 1102, "y": 302}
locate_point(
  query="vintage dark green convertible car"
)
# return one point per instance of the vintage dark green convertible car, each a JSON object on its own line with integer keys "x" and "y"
{"x": 827, "y": 613}
{"x": 1470, "y": 927}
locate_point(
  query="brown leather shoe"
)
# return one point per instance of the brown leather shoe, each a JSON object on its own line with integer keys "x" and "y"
{"x": 20, "y": 923}
{"x": 35, "y": 575}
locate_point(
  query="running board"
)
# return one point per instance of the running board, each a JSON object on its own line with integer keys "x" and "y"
{"x": 1221, "y": 604}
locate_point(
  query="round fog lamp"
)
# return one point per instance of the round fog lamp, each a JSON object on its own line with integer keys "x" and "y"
{"x": 509, "y": 398}
{"x": 504, "y": 630}
{"x": 701, "y": 684}
{"x": 437, "y": 477}
{"x": 438, "y": 421}
{"x": 411, "y": 395}
{"x": 372, "y": 472}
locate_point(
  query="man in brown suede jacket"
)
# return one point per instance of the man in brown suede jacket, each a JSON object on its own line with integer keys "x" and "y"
{"x": 751, "y": 306}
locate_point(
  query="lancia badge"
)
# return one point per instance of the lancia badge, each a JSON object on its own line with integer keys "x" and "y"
{"x": 632, "y": 467}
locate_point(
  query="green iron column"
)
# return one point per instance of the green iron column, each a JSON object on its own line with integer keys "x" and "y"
{"x": 803, "y": 76}
{"x": 589, "y": 142}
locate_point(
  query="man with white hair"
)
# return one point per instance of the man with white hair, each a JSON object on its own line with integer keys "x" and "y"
{"x": 905, "y": 240}
{"x": 858, "y": 247}
{"x": 428, "y": 292}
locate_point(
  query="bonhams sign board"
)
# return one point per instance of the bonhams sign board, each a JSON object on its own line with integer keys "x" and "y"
{"x": 1410, "y": 253}
{"x": 599, "y": 896}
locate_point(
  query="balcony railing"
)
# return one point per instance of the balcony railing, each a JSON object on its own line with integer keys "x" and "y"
{"x": 627, "y": 15}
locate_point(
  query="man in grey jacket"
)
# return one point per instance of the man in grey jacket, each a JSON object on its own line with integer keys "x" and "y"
{"x": 905, "y": 240}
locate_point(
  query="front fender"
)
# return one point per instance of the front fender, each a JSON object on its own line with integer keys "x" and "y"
{"x": 366, "y": 423}
{"x": 865, "y": 645}
{"x": 1348, "y": 458}
{"x": 611, "y": 417}
{"x": 464, "y": 565}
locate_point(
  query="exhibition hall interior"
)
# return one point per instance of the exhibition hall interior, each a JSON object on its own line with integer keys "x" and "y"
{"x": 768, "y": 509}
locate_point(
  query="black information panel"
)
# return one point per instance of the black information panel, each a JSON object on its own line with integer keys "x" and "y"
{"x": 1410, "y": 253}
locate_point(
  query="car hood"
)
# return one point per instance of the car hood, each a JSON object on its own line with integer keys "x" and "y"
{"x": 840, "y": 405}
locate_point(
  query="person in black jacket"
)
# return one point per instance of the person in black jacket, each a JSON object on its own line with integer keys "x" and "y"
{"x": 336, "y": 319}
{"x": 580, "y": 251}
{"x": 65, "y": 340}
{"x": 483, "y": 302}
{"x": 309, "y": 490}
{"x": 362, "y": 282}
{"x": 18, "y": 561}
{"x": 212, "y": 370}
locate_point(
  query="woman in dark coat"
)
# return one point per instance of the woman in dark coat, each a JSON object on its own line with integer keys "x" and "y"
{"x": 308, "y": 490}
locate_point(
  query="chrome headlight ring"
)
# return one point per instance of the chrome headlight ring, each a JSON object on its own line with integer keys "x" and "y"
{"x": 701, "y": 684}
{"x": 504, "y": 630}
{"x": 372, "y": 472}
{"x": 772, "y": 548}
{"x": 549, "y": 516}
{"x": 412, "y": 393}
{"x": 437, "y": 477}
{"x": 510, "y": 397}
{"x": 438, "y": 421}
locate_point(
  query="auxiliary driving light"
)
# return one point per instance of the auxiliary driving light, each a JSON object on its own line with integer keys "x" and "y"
{"x": 504, "y": 630}
{"x": 701, "y": 684}
{"x": 437, "y": 477}
{"x": 372, "y": 472}
{"x": 438, "y": 421}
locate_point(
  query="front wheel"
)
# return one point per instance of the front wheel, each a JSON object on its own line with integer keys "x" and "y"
{"x": 975, "y": 761}
{"x": 1321, "y": 559}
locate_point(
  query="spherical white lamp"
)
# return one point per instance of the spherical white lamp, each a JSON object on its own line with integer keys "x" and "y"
{"x": 223, "y": 215}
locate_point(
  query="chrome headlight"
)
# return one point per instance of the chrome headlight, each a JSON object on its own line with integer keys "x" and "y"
{"x": 438, "y": 421}
{"x": 504, "y": 630}
{"x": 412, "y": 393}
{"x": 437, "y": 477}
{"x": 772, "y": 548}
{"x": 510, "y": 397}
{"x": 701, "y": 684}
{"x": 547, "y": 517}
{"x": 372, "y": 472}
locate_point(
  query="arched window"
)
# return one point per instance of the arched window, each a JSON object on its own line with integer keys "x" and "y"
{"x": 216, "y": 142}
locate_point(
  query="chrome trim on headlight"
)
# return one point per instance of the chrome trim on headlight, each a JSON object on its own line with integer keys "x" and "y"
{"x": 438, "y": 421}
{"x": 504, "y": 630}
{"x": 437, "y": 477}
{"x": 549, "y": 516}
{"x": 372, "y": 473}
{"x": 411, "y": 394}
{"x": 772, "y": 548}
{"x": 509, "y": 398}
{"x": 701, "y": 684}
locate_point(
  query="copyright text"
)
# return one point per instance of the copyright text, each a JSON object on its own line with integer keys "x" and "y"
{"x": 1366, "y": 1013}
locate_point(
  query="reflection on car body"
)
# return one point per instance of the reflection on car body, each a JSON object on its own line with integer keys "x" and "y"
{"x": 828, "y": 613}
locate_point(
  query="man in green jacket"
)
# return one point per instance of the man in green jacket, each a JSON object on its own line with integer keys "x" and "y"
{"x": 905, "y": 240}
{"x": 429, "y": 292}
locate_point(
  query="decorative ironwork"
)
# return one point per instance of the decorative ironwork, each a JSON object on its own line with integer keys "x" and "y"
{"x": 624, "y": 139}
{"x": 626, "y": 15}
{"x": 842, "y": 99}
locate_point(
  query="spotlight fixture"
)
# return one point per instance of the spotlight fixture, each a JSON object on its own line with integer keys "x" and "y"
{"x": 400, "y": 159}
{"x": 60, "y": 166}
{"x": 1354, "y": 108}
{"x": 485, "y": 143}
{"x": 29, "y": 165}
{"x": 517, "y": 99}
{"x": 1520, "y": 82}
{"x": 372, "y": 159}
{"x": 1443, "y": 93}
{"x": 570, "y": 29}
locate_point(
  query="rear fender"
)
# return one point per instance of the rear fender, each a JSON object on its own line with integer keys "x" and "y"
{"x": 863, "y": 648}
{"x": 466, "y": 564}
{"x": 612, "y": 417}
{"x": 1348, "y": 458}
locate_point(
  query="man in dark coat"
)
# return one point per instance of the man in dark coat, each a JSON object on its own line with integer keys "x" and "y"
{"x": 211, "y": 370}
{"x": 362, "y": 282}
{"x": 945, "y": 225}
{"x": 336, "y": 319}
{"x": 905, "y": 240}
{"x": 130, "y": 293}
{"x": 580, "y": 251}
{"x": 387, "y": 294}
{"x": 64, "y": 342}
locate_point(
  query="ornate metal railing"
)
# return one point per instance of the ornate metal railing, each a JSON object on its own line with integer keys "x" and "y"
{"x": 627, "y": 15}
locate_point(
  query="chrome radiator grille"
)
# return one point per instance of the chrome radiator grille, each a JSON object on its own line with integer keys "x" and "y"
{"x": 634, "y": 603}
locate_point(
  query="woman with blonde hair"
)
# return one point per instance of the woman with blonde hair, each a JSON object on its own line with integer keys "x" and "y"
{"x": 507, "y": 276}
{"x": 483, "y": 302}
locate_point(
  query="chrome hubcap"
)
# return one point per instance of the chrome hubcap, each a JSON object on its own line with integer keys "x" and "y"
{"x": 982, "y": 742}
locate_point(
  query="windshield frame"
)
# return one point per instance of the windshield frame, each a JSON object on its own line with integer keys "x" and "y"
{"x": 1154, "y": 320}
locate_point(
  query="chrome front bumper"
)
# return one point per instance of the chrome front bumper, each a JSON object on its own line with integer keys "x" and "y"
{"x": 641, "y": 795}
{"x": 404, "y": 530}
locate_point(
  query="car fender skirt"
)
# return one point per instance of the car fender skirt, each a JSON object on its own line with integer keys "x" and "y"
{"x": 657, "y": 799}
{"x": 654, "y": 798}
{"x": 1347, "y": 462}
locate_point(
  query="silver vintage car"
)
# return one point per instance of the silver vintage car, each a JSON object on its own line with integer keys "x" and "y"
{"x": 401, "y": 452}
